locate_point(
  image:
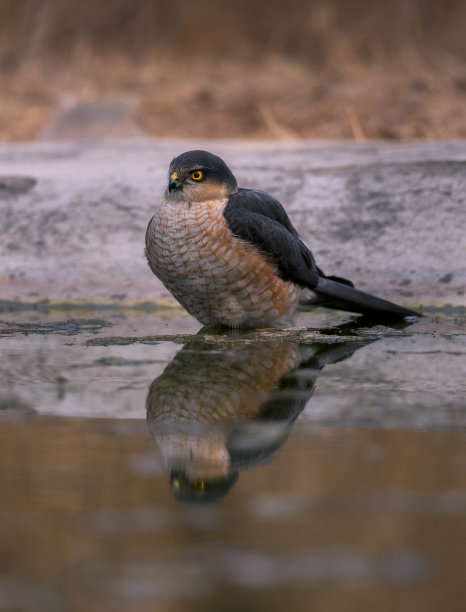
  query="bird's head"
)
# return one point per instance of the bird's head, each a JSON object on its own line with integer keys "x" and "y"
{"x": 197, "y": 176}
{"x": 201, "y": 490}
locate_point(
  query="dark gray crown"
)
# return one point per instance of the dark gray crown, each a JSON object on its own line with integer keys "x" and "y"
{"x": 213, "y": 166}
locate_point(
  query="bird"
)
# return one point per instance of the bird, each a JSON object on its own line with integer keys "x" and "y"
{"x": 232, "y": 257}
{"x": 215, "y": 412}
{"x": 203, "y": 396}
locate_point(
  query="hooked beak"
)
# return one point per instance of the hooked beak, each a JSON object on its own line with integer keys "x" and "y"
{"x": 174, "y": 182}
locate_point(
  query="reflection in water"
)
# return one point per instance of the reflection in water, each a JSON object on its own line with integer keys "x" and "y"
{"x": 217, "y": 410}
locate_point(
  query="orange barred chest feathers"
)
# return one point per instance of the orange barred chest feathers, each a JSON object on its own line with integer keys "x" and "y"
{"x": 218, "y": 278}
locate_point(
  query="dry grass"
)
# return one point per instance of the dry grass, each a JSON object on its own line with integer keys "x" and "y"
{"x": 358, "y": 69}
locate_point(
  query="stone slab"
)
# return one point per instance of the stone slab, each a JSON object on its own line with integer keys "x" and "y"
{"x": 391, "y": 217}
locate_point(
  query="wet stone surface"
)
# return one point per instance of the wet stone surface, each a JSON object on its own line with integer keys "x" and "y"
{"x": 390, "y": 217}
{"x": 145, "y": 463}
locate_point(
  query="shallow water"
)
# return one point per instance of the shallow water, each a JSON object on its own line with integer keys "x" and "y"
{"x": 146, "y": 466}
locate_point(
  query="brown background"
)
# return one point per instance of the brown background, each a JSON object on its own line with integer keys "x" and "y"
{"x": 358, "y": 69}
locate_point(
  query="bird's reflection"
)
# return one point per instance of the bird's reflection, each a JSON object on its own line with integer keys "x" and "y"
{"x": 218, "y": 409}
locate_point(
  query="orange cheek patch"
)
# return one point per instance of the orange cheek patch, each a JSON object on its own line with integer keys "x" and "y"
{"x": 207, "y": 190}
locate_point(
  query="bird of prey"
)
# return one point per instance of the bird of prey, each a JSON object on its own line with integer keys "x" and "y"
{"x": 214, "y": 412}
{"x": 196, "y": 408}
{"x": 232, "y": 257}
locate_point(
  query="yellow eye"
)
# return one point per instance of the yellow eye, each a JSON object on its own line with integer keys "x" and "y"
{"x": 197, "y": 175}
{"x": 199, "y": 484}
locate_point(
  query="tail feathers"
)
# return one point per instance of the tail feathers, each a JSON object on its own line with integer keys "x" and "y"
{"x": 333, "y": 294}
{"x": 339, "y": 279}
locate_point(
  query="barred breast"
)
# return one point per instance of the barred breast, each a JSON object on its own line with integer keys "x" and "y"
{"x": 195, "y": 404}
{"x": 218, "y": 278}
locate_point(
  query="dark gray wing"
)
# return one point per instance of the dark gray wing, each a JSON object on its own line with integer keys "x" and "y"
{"x": 260, "y": 220}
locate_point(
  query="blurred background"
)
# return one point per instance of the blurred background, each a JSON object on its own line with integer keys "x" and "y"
{"x": 352, "y": 69}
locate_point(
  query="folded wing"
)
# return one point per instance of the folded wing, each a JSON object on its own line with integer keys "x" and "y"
{"x": 260, "y": 220}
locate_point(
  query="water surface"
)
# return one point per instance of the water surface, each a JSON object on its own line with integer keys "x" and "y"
{"x": 146, "y": 466}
